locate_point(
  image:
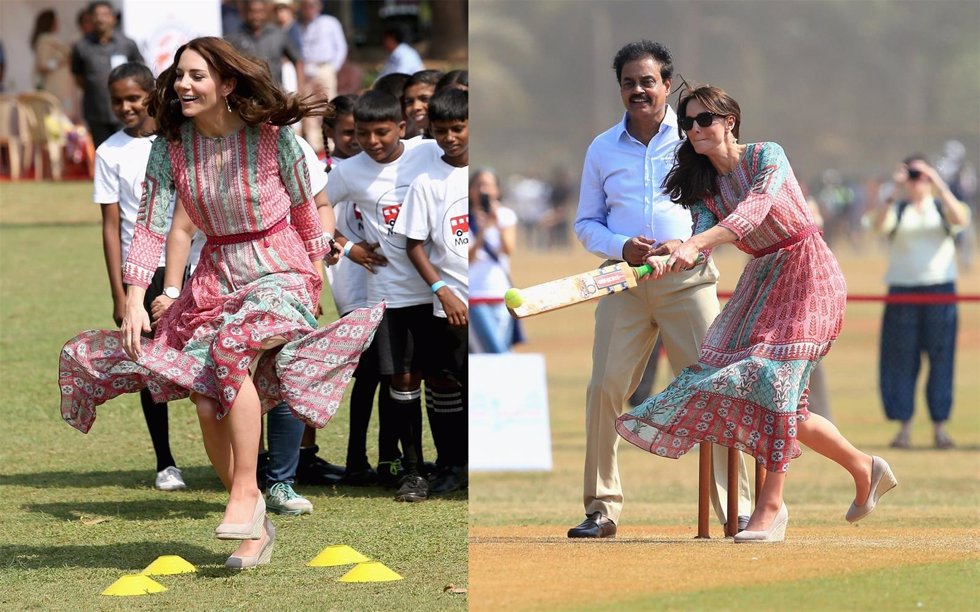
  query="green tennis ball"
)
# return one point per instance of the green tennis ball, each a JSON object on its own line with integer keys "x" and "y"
{"x": 513, "y": 298}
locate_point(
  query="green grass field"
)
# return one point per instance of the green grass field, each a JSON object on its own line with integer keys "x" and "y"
{"x": 920, "y": 550}
{"x": 79, "y": 511}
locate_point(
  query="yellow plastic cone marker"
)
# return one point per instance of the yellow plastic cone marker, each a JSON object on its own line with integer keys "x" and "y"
{"x": 341, "y": 554}
{"x": 371, "y": 571}
{"x": 169, "y": 564}
{"x": 134, "y": 584}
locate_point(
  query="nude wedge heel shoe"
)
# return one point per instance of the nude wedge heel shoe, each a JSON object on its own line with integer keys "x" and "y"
{"x": 882, "y": 481}
{"x": 264, "y": 556}
{"x": 244, "y": 531}
{"x": 775, "y": 533}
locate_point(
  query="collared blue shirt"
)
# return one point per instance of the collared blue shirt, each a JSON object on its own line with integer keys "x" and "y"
{"x": 621, "y": 194}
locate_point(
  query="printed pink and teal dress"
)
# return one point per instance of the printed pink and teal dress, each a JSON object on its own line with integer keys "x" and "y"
{"x": 253, "y": 295}
{"x": 749, "y": 387}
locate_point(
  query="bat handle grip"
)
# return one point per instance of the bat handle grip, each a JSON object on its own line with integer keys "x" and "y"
{"x": 643, "y": 270}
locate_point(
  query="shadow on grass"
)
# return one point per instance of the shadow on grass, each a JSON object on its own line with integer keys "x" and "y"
{"x": 170, "y": 508}
{"x": 131, "y": 556}
{"x": 369, "y": 492}
{"x": 197, "y": 478}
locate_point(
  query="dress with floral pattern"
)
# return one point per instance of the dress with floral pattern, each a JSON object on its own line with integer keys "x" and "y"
{"x": 247, "y": 298}
{"x": 748, "y": 390}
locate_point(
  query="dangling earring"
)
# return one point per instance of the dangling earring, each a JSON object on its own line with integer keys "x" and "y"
{"x": 227, "y": 104}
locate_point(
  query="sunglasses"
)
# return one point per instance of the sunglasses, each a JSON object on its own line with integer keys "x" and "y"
{"x": 704, "y": 120}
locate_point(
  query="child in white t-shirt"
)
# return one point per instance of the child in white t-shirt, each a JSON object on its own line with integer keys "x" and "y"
{"x": 348, "y": 284}
{"x": 376, "y": 180}
{"x": 436, "y": 212}
{"x": 120, "y": 170}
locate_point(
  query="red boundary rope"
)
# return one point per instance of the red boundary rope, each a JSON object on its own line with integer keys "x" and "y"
{"x": 901, "y": 298}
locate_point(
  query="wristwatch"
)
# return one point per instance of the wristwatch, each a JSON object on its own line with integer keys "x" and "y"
{"x": 171, "y": 292}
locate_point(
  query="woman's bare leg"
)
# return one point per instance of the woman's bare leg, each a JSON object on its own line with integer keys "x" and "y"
{"x": 232, "y": 445}
{"x": 216, "y": 442}
{"x": 770, "y": 500}
{"x": 823, "y": 437}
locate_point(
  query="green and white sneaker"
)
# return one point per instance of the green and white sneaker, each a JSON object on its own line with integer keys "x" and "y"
{"x": 281, "y": 499}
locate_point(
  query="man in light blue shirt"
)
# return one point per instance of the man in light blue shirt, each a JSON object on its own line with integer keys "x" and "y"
{"x": 401, "y": 56}
{"x": 624, "y": 215}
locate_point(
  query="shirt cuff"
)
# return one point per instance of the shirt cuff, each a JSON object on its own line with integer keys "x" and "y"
{"x": 614, "y": 249}
{"x": 316, "y": 247}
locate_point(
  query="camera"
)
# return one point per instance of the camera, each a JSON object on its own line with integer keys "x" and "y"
{"x": 914, "y": 174}
{"x": 485, "y": 202}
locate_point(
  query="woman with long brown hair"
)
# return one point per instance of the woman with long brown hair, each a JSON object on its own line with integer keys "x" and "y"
{"x": 749, "y": 388}
{"x": 241, "y": 336}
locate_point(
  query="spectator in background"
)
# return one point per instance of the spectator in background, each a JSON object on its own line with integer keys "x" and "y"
{"x": 493, "y": 235}
{"x": 92, "y": 59}
{"x": 324, "y": 48}
{"x": 260, "y": 38}
{"x": 401, "y": 56}
{"x": 286, "y": 18}
{"x": 231, "y": 17}
{"x": 51, "y": 58}
{"x": 921, "y": 261}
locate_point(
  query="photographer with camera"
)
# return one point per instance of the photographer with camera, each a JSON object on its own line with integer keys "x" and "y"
{"x": 920, "y": 219}
{"x": 493, "y": 235}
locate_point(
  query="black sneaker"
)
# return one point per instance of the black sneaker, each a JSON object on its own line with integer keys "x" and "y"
{"x": 313, "y": 470}
{"x": 414, "y": 488}
{"x": 390, "y": 473}
{"x": 359, "y": 477}
{"x": 449, "y": 479}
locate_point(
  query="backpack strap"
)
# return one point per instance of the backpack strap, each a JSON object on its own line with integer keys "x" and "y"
{"x": 900, "y": 210}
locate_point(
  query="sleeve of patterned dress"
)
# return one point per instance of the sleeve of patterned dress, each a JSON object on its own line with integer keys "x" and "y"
{"x": 296, "y": 177}
{"x": 152, "y": 219}
{"x": 769, "y": 168}
{"x": 702, "y": 219}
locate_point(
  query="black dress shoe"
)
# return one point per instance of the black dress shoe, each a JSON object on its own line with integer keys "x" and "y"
{"x": 359, "y": 477}
{"x": 743, "y": 522}
{"x": 594, "y": 526}
{"x": 449, "y": 479}
{"x": 313, "y": 470}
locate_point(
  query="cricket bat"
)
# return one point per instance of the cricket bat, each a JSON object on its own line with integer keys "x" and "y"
{"x": 575, "y": 289}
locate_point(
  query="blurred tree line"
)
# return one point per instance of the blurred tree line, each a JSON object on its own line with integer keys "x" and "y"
{"x": 849, "y": 84}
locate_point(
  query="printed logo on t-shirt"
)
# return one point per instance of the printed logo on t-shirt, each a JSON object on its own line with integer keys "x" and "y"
{"x": 386, "y": 213}
{"x": 353, "y": 222}
{"x": 456, "y": 227}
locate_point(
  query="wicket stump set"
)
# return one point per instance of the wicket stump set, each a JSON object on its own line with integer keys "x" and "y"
{"x": 704, "y": 489}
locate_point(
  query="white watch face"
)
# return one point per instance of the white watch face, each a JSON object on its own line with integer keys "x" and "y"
{"x": 171, "y": 292}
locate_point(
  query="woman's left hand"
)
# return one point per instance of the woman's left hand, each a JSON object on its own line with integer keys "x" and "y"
{"x": 683, "y": 258}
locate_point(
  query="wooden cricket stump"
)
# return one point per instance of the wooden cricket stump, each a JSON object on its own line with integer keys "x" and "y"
{"x": 704, "y": 489}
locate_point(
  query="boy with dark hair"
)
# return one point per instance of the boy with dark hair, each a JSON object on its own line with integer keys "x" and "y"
{"x": 436, "y": 213}
{"x": 376, "y": 181}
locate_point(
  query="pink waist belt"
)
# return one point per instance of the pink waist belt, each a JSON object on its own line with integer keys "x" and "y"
{"x": 782, "y": 244}
{"x": 278, "y": 226}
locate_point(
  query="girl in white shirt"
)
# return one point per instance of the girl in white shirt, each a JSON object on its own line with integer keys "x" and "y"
{"x": 120, "y": 169}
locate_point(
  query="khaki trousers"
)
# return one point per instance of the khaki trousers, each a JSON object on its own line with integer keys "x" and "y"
{"x": 324, "y": 84}
{"x": 679, "y": 307}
